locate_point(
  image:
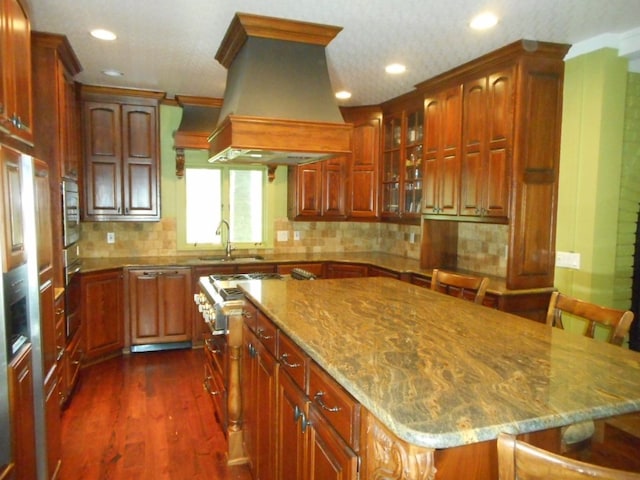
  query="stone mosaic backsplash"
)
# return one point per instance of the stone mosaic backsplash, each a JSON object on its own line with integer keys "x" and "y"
{"x": 481, "y": 247}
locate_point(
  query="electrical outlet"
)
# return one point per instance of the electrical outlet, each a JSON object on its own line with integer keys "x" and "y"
{"x": 111, "y": 237}
{"x": 412, "y": 237}
{"x": 296, "y": 235}
{"x": 283, "y": 235}
{"x": 568, "y": 260}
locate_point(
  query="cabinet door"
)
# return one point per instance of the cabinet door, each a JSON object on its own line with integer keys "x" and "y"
{"x": 22, "y": 415}
{"x": 259, "y": 406}
{"x": 500, "y": 125}
{"x": 292, "y": 407}
{"x": 70, "y": 164}
{"x": 362, "y": 200}
{"x": 17, "y": 111}
{"x": 44, "y": 230}
{"x": 442, "y": 152}
{"x": 487, "y": 135}
{"x": 329, "y": 457}
{"x": 474, "y": 128}
{"x": 140, "y": 160}
{"x": 102, "y": 313}
{"x": 159, "y": 305}
{"x": 333, "y": 187}
{"x": 305, "y": 196}
{"x": 103, "y": 153}
{"x": 13, "y": 241}
{"x": 52, "y": 421}
{"x": 337, "y": 270}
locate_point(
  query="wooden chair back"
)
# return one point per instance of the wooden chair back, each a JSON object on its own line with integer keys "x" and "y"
{"x": 618, "y": 322}
{"x": 518, "y": 460}
{"x": 468, "y": 287}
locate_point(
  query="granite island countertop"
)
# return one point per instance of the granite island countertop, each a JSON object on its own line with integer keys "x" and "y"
{"x": 441, "y": 372}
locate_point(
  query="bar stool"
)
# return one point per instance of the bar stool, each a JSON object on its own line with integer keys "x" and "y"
{"x": 617, "y": 322}
{"x": 468, "y": 287}
{"x": 520, "y": 460}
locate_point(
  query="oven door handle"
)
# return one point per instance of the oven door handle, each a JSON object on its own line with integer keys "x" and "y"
{"x": 75, "y": 270}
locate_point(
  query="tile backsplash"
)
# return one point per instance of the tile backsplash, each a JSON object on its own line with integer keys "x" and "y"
{"x": 481, "y": 247}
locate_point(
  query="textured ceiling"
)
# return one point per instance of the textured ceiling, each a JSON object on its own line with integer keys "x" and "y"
{"x": 170, "y": 46}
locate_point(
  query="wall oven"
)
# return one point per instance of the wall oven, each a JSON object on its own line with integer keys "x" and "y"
{"x": 72, "y": 265}
{"x": 71, "y": 213}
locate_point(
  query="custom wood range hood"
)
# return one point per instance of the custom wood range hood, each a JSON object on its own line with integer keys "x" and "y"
{"x": 279, "y": 107}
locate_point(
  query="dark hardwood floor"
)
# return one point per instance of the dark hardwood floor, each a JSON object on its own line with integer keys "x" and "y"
{"x": 144, "y": 416}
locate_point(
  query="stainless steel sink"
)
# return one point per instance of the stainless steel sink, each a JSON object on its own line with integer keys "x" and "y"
{"x": 232, "y": 258}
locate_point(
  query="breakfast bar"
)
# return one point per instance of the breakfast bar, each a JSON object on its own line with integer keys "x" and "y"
{"x": 435, "y": 374}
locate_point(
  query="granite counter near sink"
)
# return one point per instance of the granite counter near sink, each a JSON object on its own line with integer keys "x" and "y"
{"x": 396, "y": 263}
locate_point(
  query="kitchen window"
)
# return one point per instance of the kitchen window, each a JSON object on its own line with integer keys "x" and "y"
{"x": 213, "y": 193}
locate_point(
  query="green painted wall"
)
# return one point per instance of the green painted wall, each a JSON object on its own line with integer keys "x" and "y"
{"x": 590, "y": 173}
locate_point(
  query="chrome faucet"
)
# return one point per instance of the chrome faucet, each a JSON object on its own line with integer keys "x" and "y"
{"x": 227, "y": 248}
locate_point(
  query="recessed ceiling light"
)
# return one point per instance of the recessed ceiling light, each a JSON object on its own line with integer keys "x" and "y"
{"x": 343, "y": 95}
{"x": 483, "y": 21}
{"x": 112, "y": 73}
{"x": 395, "y": 68}
{"x": 102, "y": 34}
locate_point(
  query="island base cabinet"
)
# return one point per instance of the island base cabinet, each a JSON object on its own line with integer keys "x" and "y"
{"x": 308, "y": 447}
{"x": 292, "y": 410}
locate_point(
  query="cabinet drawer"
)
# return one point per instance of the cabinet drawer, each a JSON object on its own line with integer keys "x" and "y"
{"x": 266, "y": 333}
{"x": 214, "y": 386}
{"x": 336, "y": 405}
{"x": 293, "y": 361}
{"x": 215, "y": 350}
{"x": 250, "y": 315}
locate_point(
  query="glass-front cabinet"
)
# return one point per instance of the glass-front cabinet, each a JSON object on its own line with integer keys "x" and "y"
{"x": 402, "y": 175}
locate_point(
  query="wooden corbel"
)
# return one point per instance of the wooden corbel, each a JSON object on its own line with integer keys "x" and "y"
{"x": 271, "y": 172}
{"x": 179, "y": 162}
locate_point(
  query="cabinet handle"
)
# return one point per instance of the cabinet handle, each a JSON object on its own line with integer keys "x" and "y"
{"x": 318, "y": 398}
{"x": 206, "y": 386}
{"x": 260, "y": 334}
{"x": 297, "y": 413}
{"x": 285, "y": 362}
{"x": 246, "y": 315}
{"x": 304, "y": 423}
{"x": 252, "y": 350}
{"x": 16, "y": 121}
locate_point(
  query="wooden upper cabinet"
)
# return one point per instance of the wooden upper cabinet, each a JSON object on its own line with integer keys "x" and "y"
{"x": 56, "y": 114}
{"x": 402, "y": 167}
{"x": 15, "y": 65}
{"x": 317, "y": 190}
{"x": 487, "y": 134}
{"x": 443, "y": 120}
{"x": 509, "y": 154}
{"x": 362, "y": 171}
{"x": 121, "y": 158}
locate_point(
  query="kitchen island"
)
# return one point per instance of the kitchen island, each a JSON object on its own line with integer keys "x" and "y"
{"x": 438, "y": 378}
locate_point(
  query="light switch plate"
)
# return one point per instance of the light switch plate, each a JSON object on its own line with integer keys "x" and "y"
{"x": 296, "y": 235}
{"x": 111, "y": 237}
{"x": 568, "y": 260}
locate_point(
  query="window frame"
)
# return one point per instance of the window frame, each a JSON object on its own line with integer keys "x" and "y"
{"x": 181, "y": 207}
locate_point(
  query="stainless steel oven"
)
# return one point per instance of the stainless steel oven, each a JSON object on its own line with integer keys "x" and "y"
{"x": 72, "y": 265}
{"x": 71, "y": 213}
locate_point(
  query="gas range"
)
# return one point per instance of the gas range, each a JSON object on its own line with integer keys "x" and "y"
{"x": 225, "y": 284}
{"x": 220, "y": 290}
